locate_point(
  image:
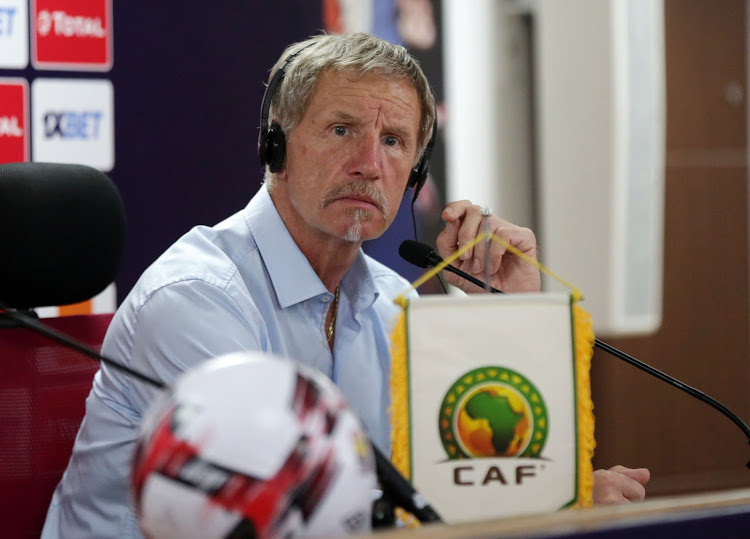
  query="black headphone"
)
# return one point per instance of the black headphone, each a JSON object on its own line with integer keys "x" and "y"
{"x": 272, "y": 142}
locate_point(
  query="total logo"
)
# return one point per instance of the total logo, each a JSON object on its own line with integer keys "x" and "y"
{"x": 14, "y": 139}
{"x": 73, "y": 122}
{"x": 72, "y": 34}
{"x": 10, "y": 127}
{"x": 67, "y": 25}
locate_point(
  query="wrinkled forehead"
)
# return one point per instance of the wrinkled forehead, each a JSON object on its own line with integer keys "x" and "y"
{"x": 333, "y": 79}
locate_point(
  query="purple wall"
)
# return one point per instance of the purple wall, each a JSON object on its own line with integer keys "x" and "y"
{"x": 188, "y": 85}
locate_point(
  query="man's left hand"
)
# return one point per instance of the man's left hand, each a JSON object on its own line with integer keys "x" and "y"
{"x": 508, "y": 272}
{"x": 620, "y": 485}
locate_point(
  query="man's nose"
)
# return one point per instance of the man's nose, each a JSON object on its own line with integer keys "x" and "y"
{"x": 367, "y": 158}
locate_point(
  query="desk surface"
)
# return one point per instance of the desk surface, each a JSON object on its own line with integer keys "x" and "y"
{"x": 722, "y": 514}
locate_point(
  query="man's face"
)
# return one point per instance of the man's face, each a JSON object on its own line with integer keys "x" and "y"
{"x": 349, "y": 158}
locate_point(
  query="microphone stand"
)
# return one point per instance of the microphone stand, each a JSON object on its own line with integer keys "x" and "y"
{"x": 392, "y": 482}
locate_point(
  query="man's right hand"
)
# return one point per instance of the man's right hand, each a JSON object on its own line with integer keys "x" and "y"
{"x": 509, "y": 273}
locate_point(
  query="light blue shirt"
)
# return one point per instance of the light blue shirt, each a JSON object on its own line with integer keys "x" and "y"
{"x": 240, "y": 285}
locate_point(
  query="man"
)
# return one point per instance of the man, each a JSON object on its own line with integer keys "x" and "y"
{"x": 286, "y": 274}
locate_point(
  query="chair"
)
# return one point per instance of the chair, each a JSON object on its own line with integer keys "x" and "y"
{"x": 43, "y": 388}
{"x": 63, "y": 230}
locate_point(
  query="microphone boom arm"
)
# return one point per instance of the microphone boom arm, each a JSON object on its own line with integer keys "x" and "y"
{"x": 34, "y": 324}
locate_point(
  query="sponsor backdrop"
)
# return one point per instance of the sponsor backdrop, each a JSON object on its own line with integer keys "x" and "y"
{"x": 163, "y": 98}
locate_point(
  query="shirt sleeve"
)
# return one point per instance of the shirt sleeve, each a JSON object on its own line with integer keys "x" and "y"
{"x": 185, "y": 324}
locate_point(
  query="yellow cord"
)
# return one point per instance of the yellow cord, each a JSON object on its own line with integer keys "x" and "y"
{"x": 577, "y": 295}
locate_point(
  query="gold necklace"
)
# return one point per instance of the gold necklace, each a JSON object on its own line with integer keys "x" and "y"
{"x": 335, "y": 308}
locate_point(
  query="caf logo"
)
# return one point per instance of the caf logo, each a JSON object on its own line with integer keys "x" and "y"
{"x": 493, "y": 412}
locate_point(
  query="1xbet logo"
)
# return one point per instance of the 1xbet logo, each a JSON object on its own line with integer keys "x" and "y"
{"x": 73, "y": 122}
{"x": 82, "y": 125}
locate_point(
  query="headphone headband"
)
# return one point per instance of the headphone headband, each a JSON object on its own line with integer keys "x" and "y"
{"x": 271, "y": 140}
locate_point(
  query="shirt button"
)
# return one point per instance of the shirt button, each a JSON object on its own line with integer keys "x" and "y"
{"x": 326, "y": 299}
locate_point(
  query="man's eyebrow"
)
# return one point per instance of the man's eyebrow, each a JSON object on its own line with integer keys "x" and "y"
{"x": 344, "y": 116}
{"x": 403, "y": 132}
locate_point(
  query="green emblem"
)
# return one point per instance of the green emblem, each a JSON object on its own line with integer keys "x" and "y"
{"x": 493, "y": 412}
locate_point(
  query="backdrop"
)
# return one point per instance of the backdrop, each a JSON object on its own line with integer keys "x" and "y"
{"x": 166, "y": 101}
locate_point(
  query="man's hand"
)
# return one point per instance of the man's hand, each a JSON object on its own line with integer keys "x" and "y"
{"x": 508, "y": 272}
{"x": 620, "y": 485}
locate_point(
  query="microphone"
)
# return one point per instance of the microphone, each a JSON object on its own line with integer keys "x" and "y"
{"x": 401, "y": 491}
{"x": 63, "y": 233}
{"x": 424, "y": 256}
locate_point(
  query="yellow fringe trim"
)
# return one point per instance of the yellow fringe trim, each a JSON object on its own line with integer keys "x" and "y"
{"x": 584, "y": 347}
{"x": 399, "y": 410}
{"x": 399, "y": 381}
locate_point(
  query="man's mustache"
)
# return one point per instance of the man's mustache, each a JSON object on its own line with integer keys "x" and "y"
{"x": 358, "y": 187}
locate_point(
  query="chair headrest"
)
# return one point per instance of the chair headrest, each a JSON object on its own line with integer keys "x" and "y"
{"x": 62, "y": 232}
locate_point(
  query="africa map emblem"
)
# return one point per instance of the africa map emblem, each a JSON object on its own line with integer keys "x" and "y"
{"x": 493, "y": 412}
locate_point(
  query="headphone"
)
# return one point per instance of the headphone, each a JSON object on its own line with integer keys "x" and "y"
{"x": 272, "y": 142}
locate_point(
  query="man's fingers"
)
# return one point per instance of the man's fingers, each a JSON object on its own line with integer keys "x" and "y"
{"x": 469, "y": 230}
{"x": 463, "y": 223}
{"x": 620, "y": 485}
{"x": 447, "y": 240}
{"x": 462, "y": 220}
{"x": 455, "y": 211}
{"x": 633, "y": 490}
{"x": 642, "y": 475}
{"x": 480, "y": 256}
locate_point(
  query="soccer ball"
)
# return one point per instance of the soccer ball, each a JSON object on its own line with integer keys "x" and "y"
{"x": 250, "y": 445}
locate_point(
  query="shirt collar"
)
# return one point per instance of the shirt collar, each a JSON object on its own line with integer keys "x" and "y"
{"x": 358, "y": 284}
{"x": 291, "y": 274}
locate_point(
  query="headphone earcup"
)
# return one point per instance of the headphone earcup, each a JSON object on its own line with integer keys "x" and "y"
{"x": 263, "y": 143}
{"x": 272, "y": 148}
{"x": 418, "y": 175}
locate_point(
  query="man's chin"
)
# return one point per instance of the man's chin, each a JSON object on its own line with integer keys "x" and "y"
{"x": 359, "y": 232}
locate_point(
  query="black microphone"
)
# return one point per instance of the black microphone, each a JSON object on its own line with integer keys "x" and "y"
{"x": 63, "y": 231}
{"x": 402, "y": 492}
{"x": 424, "y": 256}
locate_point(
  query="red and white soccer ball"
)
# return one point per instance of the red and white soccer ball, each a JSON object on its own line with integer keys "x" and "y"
{"x": 249, "y": 445}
